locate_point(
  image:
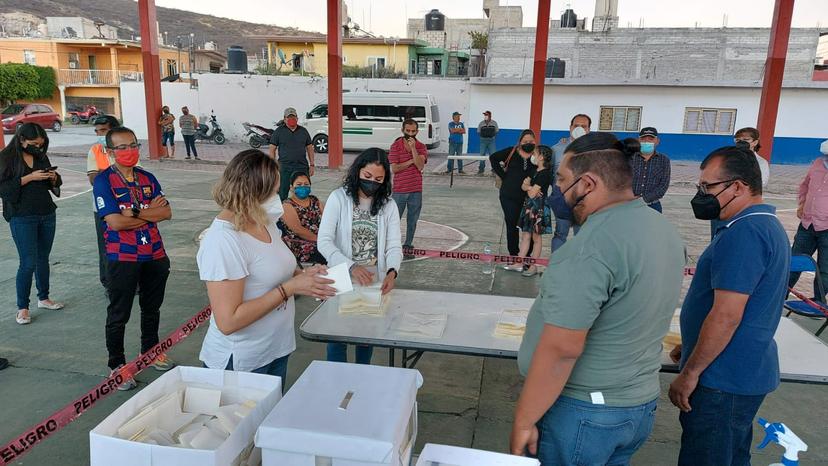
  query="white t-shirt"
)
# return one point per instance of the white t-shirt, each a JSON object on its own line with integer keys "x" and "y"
{"x": 228, "y": 254}
{"x": 764, "y": 167}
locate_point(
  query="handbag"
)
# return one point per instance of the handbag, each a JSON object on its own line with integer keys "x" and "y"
{"x": 499, "y": 180}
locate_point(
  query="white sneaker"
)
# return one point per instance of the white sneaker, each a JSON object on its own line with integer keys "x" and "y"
{"x": 49, "y": 304}
{"x": 128, "y": 384}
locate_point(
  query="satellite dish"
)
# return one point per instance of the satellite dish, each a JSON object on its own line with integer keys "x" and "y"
{"x": 282, "y": 56}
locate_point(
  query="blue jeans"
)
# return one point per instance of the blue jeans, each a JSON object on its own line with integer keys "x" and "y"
{"x": 574, "y": 432}
{"x": 656, "y": 206}
{"x": 338, "y": 352}
{"x": 807, "y": 241}
{"x": 168, "y": 138}
{"x": 719, "y": 429}
{"x": 562, "y": 232}
{"x": 455, "y": 148}
{"x": 277, "y": 367}
{"x": 33, "y": 235}
{"x": 487, "y": 148}
{"x": 414, "y": 203}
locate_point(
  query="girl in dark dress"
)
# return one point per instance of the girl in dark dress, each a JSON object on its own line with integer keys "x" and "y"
{"x": 535, "y": 218}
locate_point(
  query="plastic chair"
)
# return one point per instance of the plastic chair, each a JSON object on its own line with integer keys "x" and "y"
{"x": 803, "y": 263}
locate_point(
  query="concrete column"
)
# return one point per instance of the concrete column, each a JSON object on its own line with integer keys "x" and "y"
{"x": 62, "y": 111}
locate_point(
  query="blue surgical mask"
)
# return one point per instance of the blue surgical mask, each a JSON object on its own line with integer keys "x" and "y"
{"x": 102, "y": 140}
{"x": 647, "y": 147}
{"x": 302, "y": 192}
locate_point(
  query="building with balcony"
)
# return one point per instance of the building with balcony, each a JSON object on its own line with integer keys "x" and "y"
{"x": 89, "y": 71}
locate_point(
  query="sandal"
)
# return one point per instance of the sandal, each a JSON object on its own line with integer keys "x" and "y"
{"x": 21, "y": 319}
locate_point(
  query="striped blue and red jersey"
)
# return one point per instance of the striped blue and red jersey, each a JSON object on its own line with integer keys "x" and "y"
{"x": 113, "y": 193}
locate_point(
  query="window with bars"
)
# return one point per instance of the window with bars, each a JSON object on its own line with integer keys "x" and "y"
{"x": 709, "y": 120}
{"x": 29, "y": 57}
{"x": 620, "y": 119}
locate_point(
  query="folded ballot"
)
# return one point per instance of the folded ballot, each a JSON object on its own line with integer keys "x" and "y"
{"x": 364, "y": 300}
{"x": 512, "y": 323}
{"x": 421, "y": 324}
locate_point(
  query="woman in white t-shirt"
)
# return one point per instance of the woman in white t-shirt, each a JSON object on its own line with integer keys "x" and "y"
{"x": 251, "y": 275}
{"x": 749, "y": 139}
{"x": 361, "y": 227}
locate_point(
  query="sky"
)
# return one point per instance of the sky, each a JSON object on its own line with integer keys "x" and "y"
{"x": 388, "y": 17}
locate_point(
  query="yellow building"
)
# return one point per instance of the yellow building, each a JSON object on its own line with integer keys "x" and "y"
{"x": 89, "y": 71}
{"x": 310, "y": 54}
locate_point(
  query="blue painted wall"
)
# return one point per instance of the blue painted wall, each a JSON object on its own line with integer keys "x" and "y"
{"x": 678, "y": 146}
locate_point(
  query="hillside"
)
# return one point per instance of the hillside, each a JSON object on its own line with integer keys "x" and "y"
{"x": 123, "y": 14}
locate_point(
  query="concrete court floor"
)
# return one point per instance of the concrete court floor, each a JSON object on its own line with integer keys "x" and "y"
{"x": 465, "y": 401}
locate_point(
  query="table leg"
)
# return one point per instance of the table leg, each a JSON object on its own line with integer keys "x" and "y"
{"x": 451, "y": 183}
{"x": 391, "y": 357}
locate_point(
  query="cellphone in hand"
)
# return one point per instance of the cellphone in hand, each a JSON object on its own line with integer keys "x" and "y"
{"x": 51, "y": 169}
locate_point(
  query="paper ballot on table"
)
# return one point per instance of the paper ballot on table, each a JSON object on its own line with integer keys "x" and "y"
{"x": 512, "y": 323}
{"x": 341, "y": 277}
{"x": 364, "y": 300}
{"x": 421, "y": 324}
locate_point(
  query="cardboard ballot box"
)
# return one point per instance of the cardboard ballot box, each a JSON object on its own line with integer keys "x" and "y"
{"x": 444, "y": 455}
{"x": 341, "y": 414}
{"x": 174, "y": 399}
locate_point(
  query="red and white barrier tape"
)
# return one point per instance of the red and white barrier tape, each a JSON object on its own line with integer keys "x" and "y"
{"x": 44, "y": 429}
{"x": 810, "y": 302}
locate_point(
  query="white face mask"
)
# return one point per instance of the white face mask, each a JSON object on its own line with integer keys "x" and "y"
{"x": 534, "y": 160}
{"x": 273, "y": 207}
{"x": 578, "y": 132}
{"x": 824, "y": 147}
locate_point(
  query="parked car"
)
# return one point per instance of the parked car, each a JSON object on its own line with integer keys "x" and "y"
{"x": 15, "y": 115}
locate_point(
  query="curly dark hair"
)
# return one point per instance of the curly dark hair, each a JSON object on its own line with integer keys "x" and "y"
{"x": 373, "y": 155}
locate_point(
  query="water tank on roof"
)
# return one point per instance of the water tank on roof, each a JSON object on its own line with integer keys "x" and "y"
{"x": 555, "y": 68}
{"x": 569, "y": 19}
{"x": 236, "y": 59}
{"x": 435, "y": 21}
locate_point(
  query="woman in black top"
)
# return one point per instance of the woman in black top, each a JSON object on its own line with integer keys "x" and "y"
{"x": 26, "y": 179}
{"x": 512, "y": 165}
{"x": 535, "y": 217}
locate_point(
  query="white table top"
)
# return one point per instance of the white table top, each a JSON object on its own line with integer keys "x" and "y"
{"x": 472, "y": 319}
{"x": 468, "y": 157}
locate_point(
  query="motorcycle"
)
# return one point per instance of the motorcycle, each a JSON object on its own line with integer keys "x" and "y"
{"x": 212, "y": 133}
{"x": 256, "y": 135}
{"x": 78, "y": 117}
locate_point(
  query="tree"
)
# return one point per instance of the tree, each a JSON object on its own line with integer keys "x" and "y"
{"x": 47, "y": 81}
{"x": 480, "y": 40}
{"x": 20, "y": 81}
{"x": 371, "y": 72}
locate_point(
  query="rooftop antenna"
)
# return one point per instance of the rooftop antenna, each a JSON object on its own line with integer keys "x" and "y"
{"x": 98, "y": 25}
{"x": 724, "y": 20}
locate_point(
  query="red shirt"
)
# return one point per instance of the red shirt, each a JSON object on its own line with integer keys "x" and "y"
{"x": 409, "y": 180}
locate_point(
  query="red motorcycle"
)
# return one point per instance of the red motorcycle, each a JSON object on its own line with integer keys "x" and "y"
{"x": 84, "y": 116}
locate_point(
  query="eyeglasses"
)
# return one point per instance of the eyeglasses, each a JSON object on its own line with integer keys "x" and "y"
{"x": 126, "y": 146}
{"x": 705, "y": 187}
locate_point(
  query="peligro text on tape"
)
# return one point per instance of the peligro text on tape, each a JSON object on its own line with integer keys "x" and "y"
{"x": 24, "y": 442}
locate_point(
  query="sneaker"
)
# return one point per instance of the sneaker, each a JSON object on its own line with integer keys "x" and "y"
{"x": 49, "y": 304}
{"x": 530, "y": 272}
{"x": 128, "y": 384}
{"x": 163, "y": 363}
{"x": 513, "y": 268}
{"x": 4, "y": 363}
{"x": 23, "y": 319}
{"x": 187, "y": 157}
{"x": 196, "y": 157}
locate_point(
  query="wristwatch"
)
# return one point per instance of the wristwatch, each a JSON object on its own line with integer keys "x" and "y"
{"x": 135, "y": 212}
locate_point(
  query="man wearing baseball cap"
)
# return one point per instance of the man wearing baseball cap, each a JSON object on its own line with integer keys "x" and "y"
{"x": 456, "y": 131}
{"x": 651, "y": 169}
{"x": 293, "y": 145}
{"x": 487, "y": 130}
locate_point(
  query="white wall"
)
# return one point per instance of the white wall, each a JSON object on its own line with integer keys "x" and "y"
{"x": 262, "y": 99}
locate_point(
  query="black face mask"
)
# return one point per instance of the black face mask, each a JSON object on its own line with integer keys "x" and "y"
{"x": 528, "y": 147}
{"x": 706, "y": 206}
{"x": 34, "y": 150}
{"x": 369, "y": 187}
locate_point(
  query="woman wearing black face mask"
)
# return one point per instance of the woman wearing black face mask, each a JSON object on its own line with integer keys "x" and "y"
{"x": 26, "y": 179}
{"x": 361, "y": 227}
{"x": 512, "y": 166}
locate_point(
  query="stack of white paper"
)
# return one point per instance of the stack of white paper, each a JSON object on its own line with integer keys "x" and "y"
{"x": 421, "y": 324}
{"x": 512, "y": 323}
{"x": 364, "y": 300}
{"x": 673, "y": 337}
{"x": 190, "y": 417}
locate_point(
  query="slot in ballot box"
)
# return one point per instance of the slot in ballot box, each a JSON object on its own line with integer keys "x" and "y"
{"x": 342, "y": 414}
{"x": 444, "y": 455}
{"x": 175, "y": 399}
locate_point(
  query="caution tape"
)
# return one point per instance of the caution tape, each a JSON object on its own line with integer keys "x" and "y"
{"x": 44, "y": 429}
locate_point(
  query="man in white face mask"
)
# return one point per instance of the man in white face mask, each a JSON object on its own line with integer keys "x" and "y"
{"x": 812, "y": 233}
{"x": 578, "y": 126}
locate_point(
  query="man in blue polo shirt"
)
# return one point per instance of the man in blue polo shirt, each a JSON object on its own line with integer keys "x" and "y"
{"x": 728, "y": 358}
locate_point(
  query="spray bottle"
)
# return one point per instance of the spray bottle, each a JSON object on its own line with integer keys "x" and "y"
{"x": 781, "y": 434}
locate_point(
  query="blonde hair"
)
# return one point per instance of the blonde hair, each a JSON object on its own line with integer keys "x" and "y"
{"x": 250, "y": 178}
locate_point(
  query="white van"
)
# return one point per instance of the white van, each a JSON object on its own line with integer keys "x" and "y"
{"x": 374, "y": 119}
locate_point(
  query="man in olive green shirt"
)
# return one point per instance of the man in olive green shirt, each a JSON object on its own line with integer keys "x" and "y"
{"x": 592, "y": 348}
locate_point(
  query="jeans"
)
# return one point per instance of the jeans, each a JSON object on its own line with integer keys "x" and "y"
{"x": 189, "y": 143}
{"x": 285, "y": 172}
{"x": 807, "y": 241}
{"x": 150, "y": 279}
{"x": 102, "y": 260}
{"x": 487, "y": 147}
{"x": 562, "y": 232}
{"x": 277, "y": 367}
{"x": 656, "y": 206}
{"x": 33, "y": 235}
{"x": 574, "y": 432}
{"x": 719, "y": 429}
{"x": 168, "y": 137}
{"x": 414, "y": 202}
{"x": 455, "y": 148}
{"x": 338, "y": 352}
